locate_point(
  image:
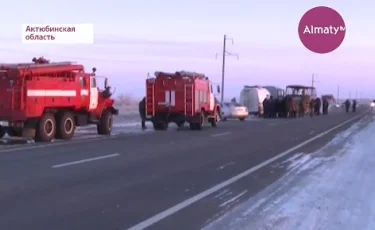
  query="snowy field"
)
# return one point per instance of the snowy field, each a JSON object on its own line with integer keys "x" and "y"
{"x": 128, "y": 110}
{"x": 331, "y": 189}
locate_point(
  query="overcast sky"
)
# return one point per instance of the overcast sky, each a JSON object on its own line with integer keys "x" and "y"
{"x": 133, "y": 38}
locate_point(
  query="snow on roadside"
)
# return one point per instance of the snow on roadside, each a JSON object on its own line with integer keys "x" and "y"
{"x": 329, "y": 189}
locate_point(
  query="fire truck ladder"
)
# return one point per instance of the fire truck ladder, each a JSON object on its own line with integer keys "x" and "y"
{"x": 150, "y": 99}
{"x": 189, "y": 100}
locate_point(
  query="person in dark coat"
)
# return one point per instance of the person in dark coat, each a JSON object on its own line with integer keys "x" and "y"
{"x": 354, "y": 106}
{"x": 276, "y": 106}
{"x": 142, "y": 112}
{"x": 280, "y": 107}
{"x": 325, "y": 106}
{"x": 272, "y": 107}
{"x": 318, "y": 105}
{"x": 347, "y": 105}
{"x": 266, "y": 107}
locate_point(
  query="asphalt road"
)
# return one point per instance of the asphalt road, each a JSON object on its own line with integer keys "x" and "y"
{"x": 122, "y": 181}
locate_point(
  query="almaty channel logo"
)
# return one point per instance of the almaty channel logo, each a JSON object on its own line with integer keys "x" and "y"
{"x": 321, "y": 30}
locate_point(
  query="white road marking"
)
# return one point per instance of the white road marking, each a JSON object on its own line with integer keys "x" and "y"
{"x": 74, "y": 141}
{"x": 220, "y": 134}
{"x": 226, "y": 165}
{"x": 221, "y": 193}
{"x": 172, "y": 210}
{"x": 85, "y": 160}
{"x": 233, "y": 199}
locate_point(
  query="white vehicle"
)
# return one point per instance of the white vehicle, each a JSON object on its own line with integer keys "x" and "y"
{"x": 252, "y": 98}
{"x": 372, "y": 105}
{"x": 233, "y": 110}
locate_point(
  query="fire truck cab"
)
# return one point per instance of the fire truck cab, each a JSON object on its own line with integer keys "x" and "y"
{"x": 46, "y": 100}
{"x": 181, "y": 97}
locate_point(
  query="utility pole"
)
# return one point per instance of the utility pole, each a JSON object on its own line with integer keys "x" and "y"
{"x": 350, "y": 94}
{"x": 312, "y": 80}
{"x": 338, "y": 94}
{"x": 356, "y": 95}
{"x": 225, "y": 53}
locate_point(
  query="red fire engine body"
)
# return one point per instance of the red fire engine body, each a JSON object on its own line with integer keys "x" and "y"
{"x": 43, "y": 100}
{"x": 181, "y": 97}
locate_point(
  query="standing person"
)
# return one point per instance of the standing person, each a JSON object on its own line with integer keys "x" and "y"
{"x": 266, "y": 107}
{"x": 354, "y": 107}
{"x": 312, "y": 107}
{"x": 142, "y": 112}
{"x": 325, "y": 106}
{"x": 302, "y": 106}
{"x": 272, "y": 107}
{"x": 318, "y": 105}
{"x": 347, "y": 105}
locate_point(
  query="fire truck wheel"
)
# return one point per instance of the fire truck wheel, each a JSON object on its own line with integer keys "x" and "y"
{"x": 215, "y": 120}
{"x": 2, "y": 132}
{"x": 105, "y": 124}
{"x": 197, "y": 125}
{"x": 163, "y": 125}
{"x": 14, "y": 132}
{"x": 46, "y": 128}
{"x": 160, "y": 125}
{"x": 65, "y": 126}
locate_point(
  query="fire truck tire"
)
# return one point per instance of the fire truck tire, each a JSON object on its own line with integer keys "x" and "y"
{"x": 14, "y": 133}
{"x": 46, "y": 128}
{"x": 160, "y": 125}
{"x": 105, "y": 124}
{"x": 197, "y": 125}
{"x": 65, "y": 126}
{"x": 214, "y": 121}
{"x": 2, "y": 132}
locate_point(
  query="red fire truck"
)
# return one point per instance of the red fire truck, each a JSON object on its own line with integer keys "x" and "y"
{"x": 47, "y": 100}
{"x": 181, "y": 97}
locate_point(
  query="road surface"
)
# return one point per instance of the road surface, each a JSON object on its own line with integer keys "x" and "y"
{"x": 326, "y": 189}
{"x": 157, "y": 180}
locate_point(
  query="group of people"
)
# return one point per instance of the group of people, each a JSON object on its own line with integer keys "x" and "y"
{"x": 316, "y": 104}
{"x": 289, "y": 106}
{"x": 347, "y": 105}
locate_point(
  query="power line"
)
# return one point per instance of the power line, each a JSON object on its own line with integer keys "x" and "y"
{"x": 225, "y": 53}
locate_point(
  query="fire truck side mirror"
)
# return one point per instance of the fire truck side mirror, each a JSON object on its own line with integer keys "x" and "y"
{"x": 105, "y": 83}
{"x": 93, "y": 70}
{"x": 218, "y": 89}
